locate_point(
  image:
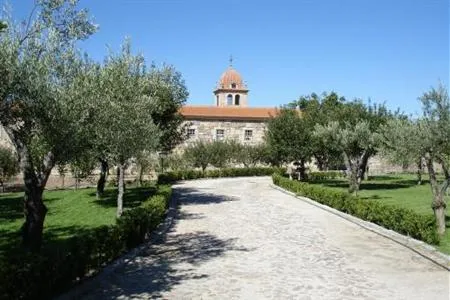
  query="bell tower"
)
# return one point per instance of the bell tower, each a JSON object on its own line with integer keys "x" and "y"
{"x": 231, "y": 89}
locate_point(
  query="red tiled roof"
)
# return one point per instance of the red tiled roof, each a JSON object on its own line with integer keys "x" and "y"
{"x": 235, "y": 113}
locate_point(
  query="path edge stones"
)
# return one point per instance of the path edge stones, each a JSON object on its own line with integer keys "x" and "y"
{"x": 89, "y": 283}
{"x": 423, "y": 249}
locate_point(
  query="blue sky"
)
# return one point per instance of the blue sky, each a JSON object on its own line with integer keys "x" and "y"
{"x": 387, "y": 50}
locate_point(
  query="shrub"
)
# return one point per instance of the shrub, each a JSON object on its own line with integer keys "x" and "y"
{"x": 401, "y": 220}
{"x": 171, "y": 177}
{"x": 32, "y": 276}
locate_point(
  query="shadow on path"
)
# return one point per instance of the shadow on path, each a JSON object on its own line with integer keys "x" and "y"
{"x": 171, "y": 260}
{"x": 164, "y": 265}
{"x": 192, "y": 196}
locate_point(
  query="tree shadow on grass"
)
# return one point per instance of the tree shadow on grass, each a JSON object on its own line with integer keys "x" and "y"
{"x": 132, "y": 197}
{"x": 374, "y": 197}
{"x": 11, "y": 207}
{"x": 165, "y": 265}
{"x": 447, "y": 221}
{"x": 384, "y": 177}
{"x": 371, "y": 185}
{"x": 9, "y": 242}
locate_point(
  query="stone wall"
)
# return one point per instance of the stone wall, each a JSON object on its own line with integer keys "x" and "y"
{"x": 206, "y": 130}
{"x": 4, "y": 139}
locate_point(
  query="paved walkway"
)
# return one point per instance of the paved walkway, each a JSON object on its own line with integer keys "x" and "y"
{"x": 241, "y": 239}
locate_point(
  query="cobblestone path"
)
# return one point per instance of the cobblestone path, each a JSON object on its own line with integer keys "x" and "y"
{"x": 241, "y": 239}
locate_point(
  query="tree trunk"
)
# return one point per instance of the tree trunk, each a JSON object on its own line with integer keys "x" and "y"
{"x": 302, "y": 171}
{"x": 364, "y": 168}
{"x": 35, "y": 211}
{"x": 141, "y": 175}
{"x": 102, "y": 180}
{"x": 320, "y": 162}
{"x": 438, "y": 204}
{"x": 354, "y": 181}
{"x": 34, "y": 208}
{"x": 439, "y": 213}
{"x": 419, "y": 172}
{"x": 120, "y": 189}
{"x": 353, "y": 174}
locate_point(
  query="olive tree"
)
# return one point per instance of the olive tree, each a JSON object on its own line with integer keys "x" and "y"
{"x": 38, "y": 67}
{"x": 354, "y": 141}
{"x": 126, "y": 125}
{"x": 427, "y": 137}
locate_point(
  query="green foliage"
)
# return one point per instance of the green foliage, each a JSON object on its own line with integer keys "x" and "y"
{"x": 3, "y": 26}
{"x": 220, "y": 153}
{"x": 320, "y": 110}
{"x": 171, "y": 177}
{"x": 39, "y": 68}
{"x": 9, "y": 166}
{"x": 176, "y": 162}
{"x": 402, "y": 220}
{"x": 247, "y": 154}
{"x": 169, "y": 92}
{"x": 198, "y": 154}
{"x": 31, "y": 276}
{"x": 288, "y": 137}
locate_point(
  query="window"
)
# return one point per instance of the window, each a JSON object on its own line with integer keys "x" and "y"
{"x": 248, "y": 134}
{"x": 230, "y": 99}
{"x": 191, "y": 132}
{"x": 217, "y": 100}
{"x": 233, "y": 85}
{"x": 220, "y": 134}
{"x": 237, "y": 98}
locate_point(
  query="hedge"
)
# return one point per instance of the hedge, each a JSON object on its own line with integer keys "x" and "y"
{"x": 401, "y": 220}
{"x": 55, "y": 269}
{"x": 171, "y": 177}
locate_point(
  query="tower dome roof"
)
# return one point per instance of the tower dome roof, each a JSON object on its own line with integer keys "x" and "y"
{"x": 231, "y": 79}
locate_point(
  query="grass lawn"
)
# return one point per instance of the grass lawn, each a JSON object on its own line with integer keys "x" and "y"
{"x": 400, "y": 190}
{"x": 69, "y": 212}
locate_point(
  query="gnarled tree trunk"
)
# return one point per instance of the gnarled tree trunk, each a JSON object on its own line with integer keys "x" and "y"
{"x": 302, "y": 171}
{"x": 419, "y": 171}
{"x": 121, "y": 180}
{"x": 438, "y": 203}
{"x": 355, "y": 171}
{"x": 102, "y": 180}
{"x": 34, "y": 207}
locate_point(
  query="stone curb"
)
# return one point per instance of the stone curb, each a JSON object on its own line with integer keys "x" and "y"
{"x": 423, "y": 249}
{"x": 91, "y": 282}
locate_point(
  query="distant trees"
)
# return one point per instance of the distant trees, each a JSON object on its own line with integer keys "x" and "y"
{"x": 220, "y": 154}
{"x": 329, "y": 129}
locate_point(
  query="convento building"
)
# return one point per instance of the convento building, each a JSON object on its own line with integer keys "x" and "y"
{"x": 230, "y": 117}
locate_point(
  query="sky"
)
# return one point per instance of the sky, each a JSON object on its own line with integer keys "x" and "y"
{"x": 388, "y": 51}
